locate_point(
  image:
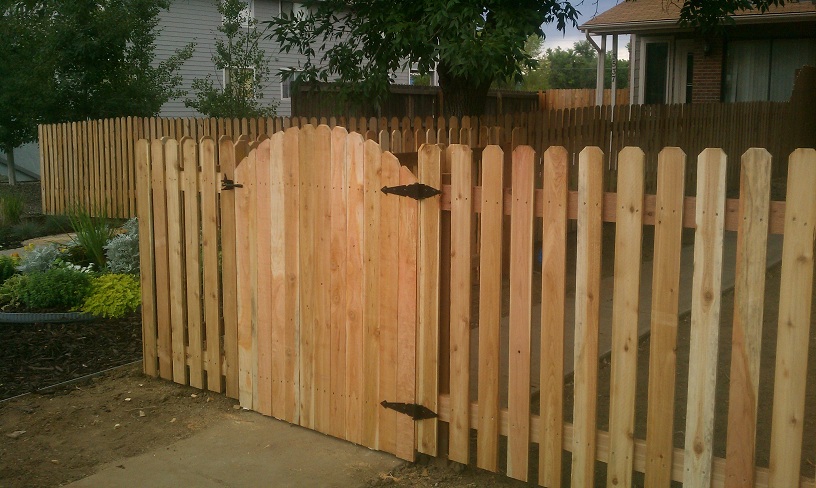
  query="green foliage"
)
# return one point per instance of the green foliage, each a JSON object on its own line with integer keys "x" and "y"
{"x": 11, "y": 292}
{"x": 709, "y": 17}
{"x": 39, "y": 259}
{"x": 8, "y": 267}
{"x": 123, "y": 250}
{"x": 92, "y": 233}
{"x": 81, "y": 59}
{"x": 245, "y": 64}
{"x": 11, "y": 209}
{"x": 577, "y": 67}
{"x": 113, "y": 296}
{"x": 362, "y": 43}
{"x": 55, "y": 289}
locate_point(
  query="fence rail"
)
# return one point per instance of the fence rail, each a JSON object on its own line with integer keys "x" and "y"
{"x": 92, "y": 163}
{"x": 229, "y": 321}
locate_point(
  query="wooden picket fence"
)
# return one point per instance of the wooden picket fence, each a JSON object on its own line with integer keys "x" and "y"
{"x": 92, "y": 163}
{"x": 278, "y": 272}
{"x": 578, "y": 98}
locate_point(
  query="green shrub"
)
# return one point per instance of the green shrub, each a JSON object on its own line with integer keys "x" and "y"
{"x": 11, "y": 208}
{"x": 92, "y": 233}
{"x": 56, "y": 289}
{"x": 8, "y": 267}
{"x": 122, "y": 251}
{"x": 11, "y": 292}
{"x": 113, "y": 296}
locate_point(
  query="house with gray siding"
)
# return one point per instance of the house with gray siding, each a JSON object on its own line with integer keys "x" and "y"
{"x": 197, "y": 21}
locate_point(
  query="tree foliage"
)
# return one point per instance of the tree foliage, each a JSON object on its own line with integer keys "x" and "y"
{"x": 80, "y": 59}
{"x": 362, "y": 43}
{"x": 245, "y": 64}
{"x": 577, "y": 67}
{"x": 710, "y": 16}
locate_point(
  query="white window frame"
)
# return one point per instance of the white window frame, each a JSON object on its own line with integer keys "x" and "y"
{"x": 250, "y": 13}
{"x": 669, "y": 66}
{"x": 296, "y": 7}
{"x": 288, "y": 84}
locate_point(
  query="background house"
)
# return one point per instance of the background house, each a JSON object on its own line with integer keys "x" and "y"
{"x": 755, "y": 59}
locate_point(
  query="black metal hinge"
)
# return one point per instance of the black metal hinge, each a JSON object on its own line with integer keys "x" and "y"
{"x": 227, "y": 184}
{"x": 417, "y": 191}
{"x": 413, "y": 410}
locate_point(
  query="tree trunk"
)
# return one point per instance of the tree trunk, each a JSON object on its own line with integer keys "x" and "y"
{"x": 12, "y": 173}
{"x": 461, "y": 95}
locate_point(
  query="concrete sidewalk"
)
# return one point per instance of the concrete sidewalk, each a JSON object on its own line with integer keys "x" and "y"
{"x": 253, "y": 451}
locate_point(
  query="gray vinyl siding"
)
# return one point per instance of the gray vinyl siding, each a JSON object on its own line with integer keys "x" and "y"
{"x": 196, "y": 21}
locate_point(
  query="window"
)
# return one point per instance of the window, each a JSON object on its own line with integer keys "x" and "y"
{"x": 245, "y": 77}
{"x": 247, "y": 14}
{"x": 286, "y": 85}
{"x": 292, "y": 8}
{"x": 657, "y": 64}
{"x": 765, "y": 70}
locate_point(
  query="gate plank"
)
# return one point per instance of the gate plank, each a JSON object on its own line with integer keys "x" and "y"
{"x": 228, "y": 154}
{"x": 209, "y": 235}
{"x": 339, "y": 208}
{"x": 278, "y": 246}
{"x": 794, "y": 320}
{"x": 147, "y": 263}
{"x": 371, "y": 284}
{"x": 749, "y": 295}
{"x": 262, "y": 399}
{"x": 244, "y": 226}
{"x": 587, "y": 310}
{"x": 553, "y": 302}
{"x": 390, "y": 298}
{"x": 158, "y": 183}
{"x": 490, "y": 312}
{"x": 460, "y": 286}
{"x": 291, "y": 184}
{"x": 175, "y": 261}
{"x": 192, "y": 253}
{"x": 354, "y": 288}
{"x": 322, "y": 242}
{"x": 406, "y": 335}
{"x": 665, "y": 295}
{"x": 705, "y": 316}
{"x": 308, "y": 279}
{"x": 625, "y": 308}
{"x": 428, "y": 335}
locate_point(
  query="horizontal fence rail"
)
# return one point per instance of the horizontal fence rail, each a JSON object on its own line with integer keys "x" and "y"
{"x": 92, "y": 163}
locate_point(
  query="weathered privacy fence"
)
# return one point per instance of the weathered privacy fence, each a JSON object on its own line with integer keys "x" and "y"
{"x": 91, "y": 163}
{"x": 279, "y": 272}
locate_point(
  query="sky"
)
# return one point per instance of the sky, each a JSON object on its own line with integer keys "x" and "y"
{"x": 588, "y": 9}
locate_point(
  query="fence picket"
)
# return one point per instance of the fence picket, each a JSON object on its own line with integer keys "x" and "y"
{"x": 322, "y": 243}
{"x": 308, "y": 274}
{"x": 262, "y": 397}
{"x": 192, "y": 263}
{"x": 625, "y": 310}
{"x": 291, "y": 188}
{"x": 210, "y": 250}
{"x": 147, "y": 264}
{"x": 245, "y": 276}
{"x": 175, "y": 245}
{"x": 228, "y": 153}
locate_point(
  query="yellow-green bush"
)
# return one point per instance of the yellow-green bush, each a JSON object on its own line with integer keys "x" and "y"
{"x": 113, "y": 296}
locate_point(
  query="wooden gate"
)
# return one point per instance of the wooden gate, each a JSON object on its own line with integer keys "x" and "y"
{"x": 293, "y": 285}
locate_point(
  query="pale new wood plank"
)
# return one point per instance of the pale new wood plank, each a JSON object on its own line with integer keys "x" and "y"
{"x": 553, "y": 302}
{"x": 407, "y": 310}
{"x": 520, "y": 320}
{"x": 749, "y": 294}
{"x": 490, "y": 312}
{"x": 390, "y": 297}
{"x": 460, "y": 286}
{"x": 262, "y": 400}
{"x": 322, "y": 233}
{"x": 175, "y": 256}
{"x": 277, "y": 270}
{"x": 587, "y": 310}
{"x": 665, "y": 295}
{"x": 428, "y": 334}
{"x": 160, "y": 248}
{"x": 228, "y": 154}
{"x": 794, "y": 320}
{"x": 705, "y": 316}
{"x": 371, "y": 284}
{"x": 244, "y": 226}
{"x": 192, "y": 253}
{"x": 355, "y": 160}
{"x": 625, "y": 309}
{"x": 308, "y": 278}
{"x": 147, "y": 270}
{"x": 291, "y": 215}
{"x": 209, "y": 246}
{"x": 339, "y": 208}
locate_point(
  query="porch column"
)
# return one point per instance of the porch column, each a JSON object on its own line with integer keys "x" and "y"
{"x": 614, "y": 85}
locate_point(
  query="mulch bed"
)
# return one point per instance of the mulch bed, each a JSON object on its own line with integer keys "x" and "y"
{"x": 35, "y": 356}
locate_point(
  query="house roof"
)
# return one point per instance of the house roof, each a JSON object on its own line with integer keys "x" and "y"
{"x": 634, "y": 16}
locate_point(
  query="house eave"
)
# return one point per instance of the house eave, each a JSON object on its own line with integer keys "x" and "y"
{"x": 665, "y": 25}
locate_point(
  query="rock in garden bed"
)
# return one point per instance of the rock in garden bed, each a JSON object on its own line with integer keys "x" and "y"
{"x": 36, "y": 356}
